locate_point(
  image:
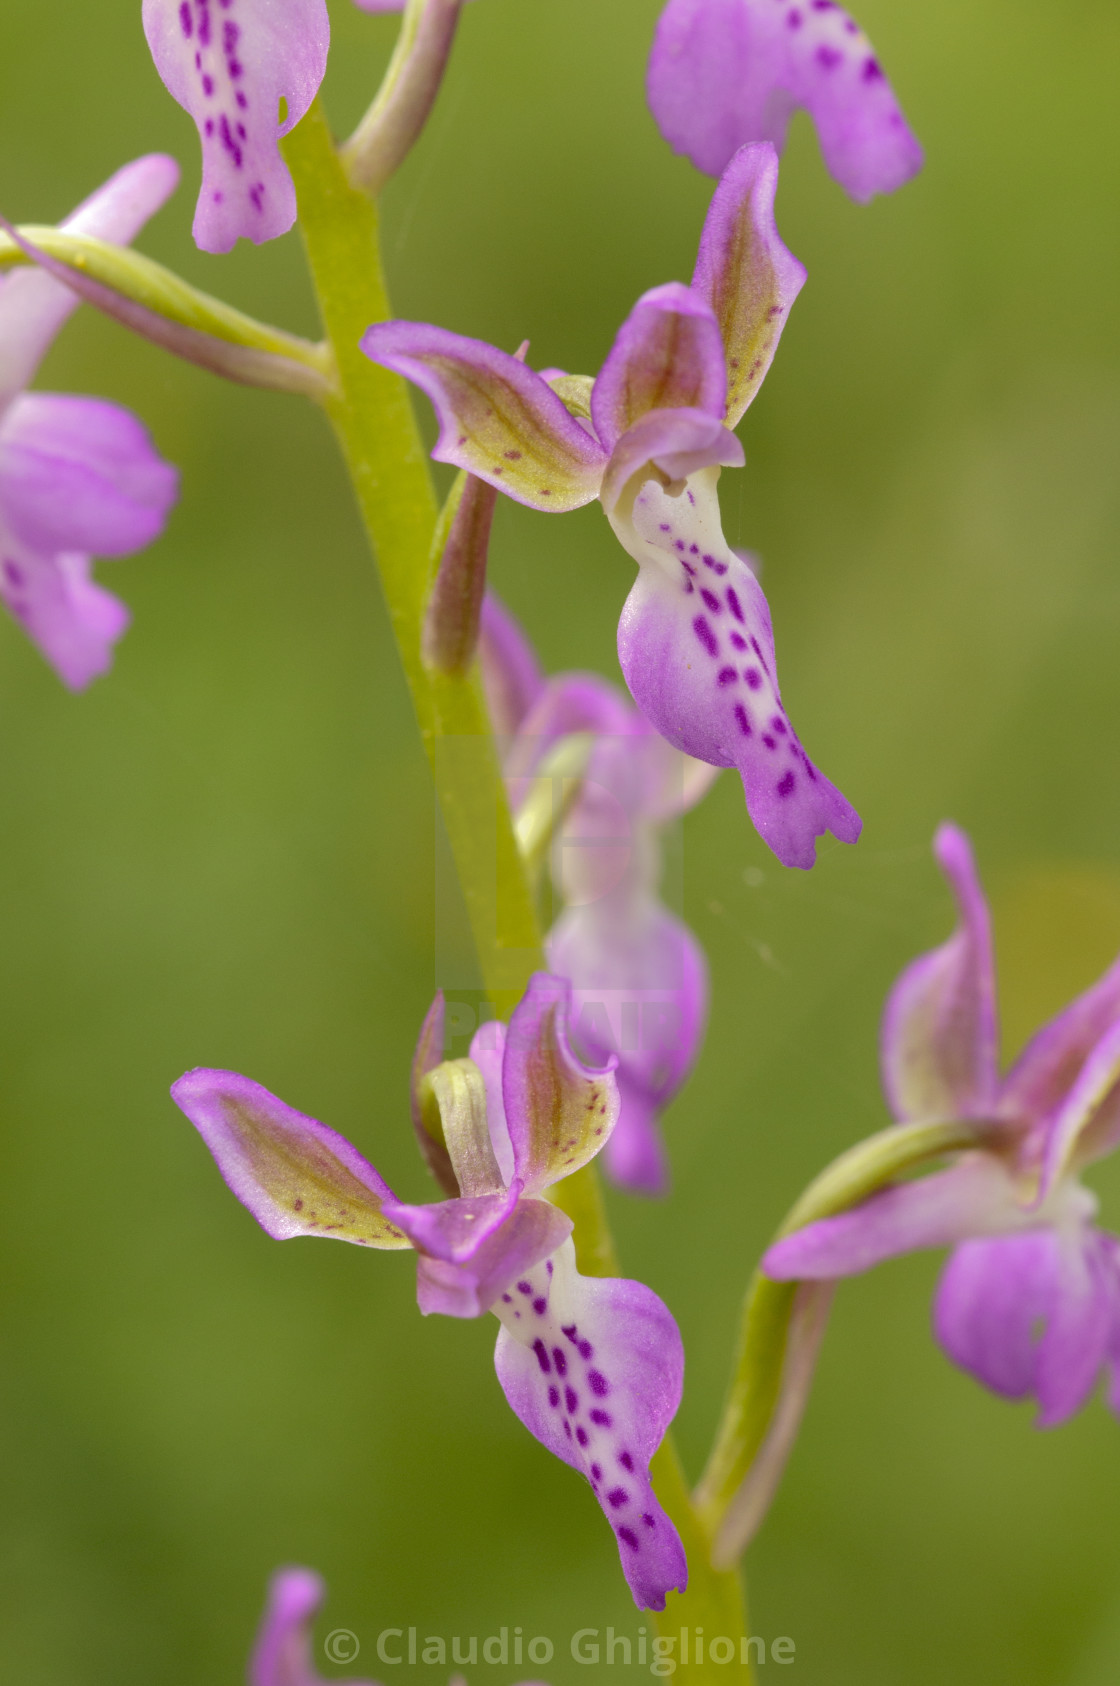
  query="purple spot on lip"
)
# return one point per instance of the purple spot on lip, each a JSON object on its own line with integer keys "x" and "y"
{"x": 829, "y": 57}
{"x": 601, "y": 1419}
{"x": 560, "y": 1361}
{"x": 571, "y": 1398}
{"x": 508, "y": 1299}
{"x": 542, "y": 1355}
{"x": 726, "y": 676}
{"x": 666, "y": 527}
{"x": 705, "y": 634}
{"x": 524, "y": 1288}
{"x": 771, "y": 743}
{"x": 738, "y": 641}
{"x": 554, "y": 1397}
{"x": 208, "y": 86}
{"x": 617, "y": 1497}
{"x": 794, "y": 20}
{"x": 540, "y": 1307}
{"x": 711, "y": 599}
{"x": 567, "y": 1428}
{"x": 185, "y": 19}
{"x": 786, "y": 785}
{"x": 872, "y": 72}
{"x": 743, "y": 718}
{"x": 626, "y": 1461}
{"x": 753, "y": 677}
{"x": 778, "y": 724}
{"x": 733, "y": 603}
{"x": 648, "y": 1519}
{"x": 581, "y": 1436}
{"x": 585, "y": 1349}
{"x": 630, "y": 1538}
{"x": 596, "y": 1473}
{"x": 598, "y": 1384}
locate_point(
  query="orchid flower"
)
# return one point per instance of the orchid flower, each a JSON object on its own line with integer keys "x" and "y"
{"x": 282, "y": 1654}
{"x": 725, "y": 72}
{"x": 647, "y": 438}
{"x": 592, "y": 1367}
{"x": 639, "y": 977}
{"x": 1029, "y": 1301}
{"x": 78, "y": 476}
{"x": 232, "y": 64}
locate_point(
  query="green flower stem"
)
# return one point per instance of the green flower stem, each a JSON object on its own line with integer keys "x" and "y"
{"x": 373, "y": 418}
{"x": 764, "y": 1327}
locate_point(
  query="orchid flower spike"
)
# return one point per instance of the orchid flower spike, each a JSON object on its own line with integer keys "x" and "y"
{"x": 1029, "y": 1301}
{"x": 647, "y": 438}
{"x": 725, "y": 72}
{"x": 593, "y": 1367}
{"x": 78, "y": 476}
{"x": 639, "y": 977}
{"x": 232, "y": 64}
{"x": 282, "y": 1654}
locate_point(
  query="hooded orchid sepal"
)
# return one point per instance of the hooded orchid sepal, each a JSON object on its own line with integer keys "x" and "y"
{"x": 726, "y": 72}
{"x": 648, "y": 440}
{"x": 1029, "y": 1301}
{"x": 593, "y": 1367}
{"x": 78, "y": 477}
{"x": 230, "y": 64}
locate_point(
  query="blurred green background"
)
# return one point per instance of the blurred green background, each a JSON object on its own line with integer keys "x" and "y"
{"x": 223, "y": 854}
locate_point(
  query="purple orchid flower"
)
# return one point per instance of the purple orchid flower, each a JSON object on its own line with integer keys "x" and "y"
{"x": 725, "y": 72}
{"x": 282, "y": 1654}
{"x": 647, "y": 438}
{"x": 592, "y": 1366}
{"x": 78, "y": 476}
{"x": 1029, "y": 1302}
{"x": 639, "y": 977}
{"x": 230, "y": 64}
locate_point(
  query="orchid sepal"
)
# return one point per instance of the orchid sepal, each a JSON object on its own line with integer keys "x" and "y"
{"x": 498, "y": 419}
{"x": 295, "y": 1175}
{"x": 744, "y": 271}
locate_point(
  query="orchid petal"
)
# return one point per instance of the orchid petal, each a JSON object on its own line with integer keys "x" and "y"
{"x": 453, "y": 1231}
{"x": 1048, "y": 1066}
{"x": 697, "y": 651}
{"x": 724, "y": 72}
{"x": 458, "y": 1091}
{"x": 745, "y": 273}
{"x": 488, "y": 1051}
{"x": 426, "y": 1121}
{"x": 675, "y": 444}
{"x": 995, "y": 1295}
{"x": 594, "y": 1367}
{"x": 230, "y": 69}
{"x": 1084, "y": 1127}
{"x": 974, "y": 1197}
{"x": 511, "y": 675}
{"x": 72, "y": 620}
{"x": 295, "y": 1175}
{"x": 497, "y": 419}
{"x": 939, "y": 1036}
{"x": 282, "y": 1654}
{"x": 558, "y": 1110}
{"x": 81, "y": 474}
{"x": 34, "y": 305}
{"x": 468, "y": 1286}
{"x": 640, "y": 991}
{"x": 667, "y": 355}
